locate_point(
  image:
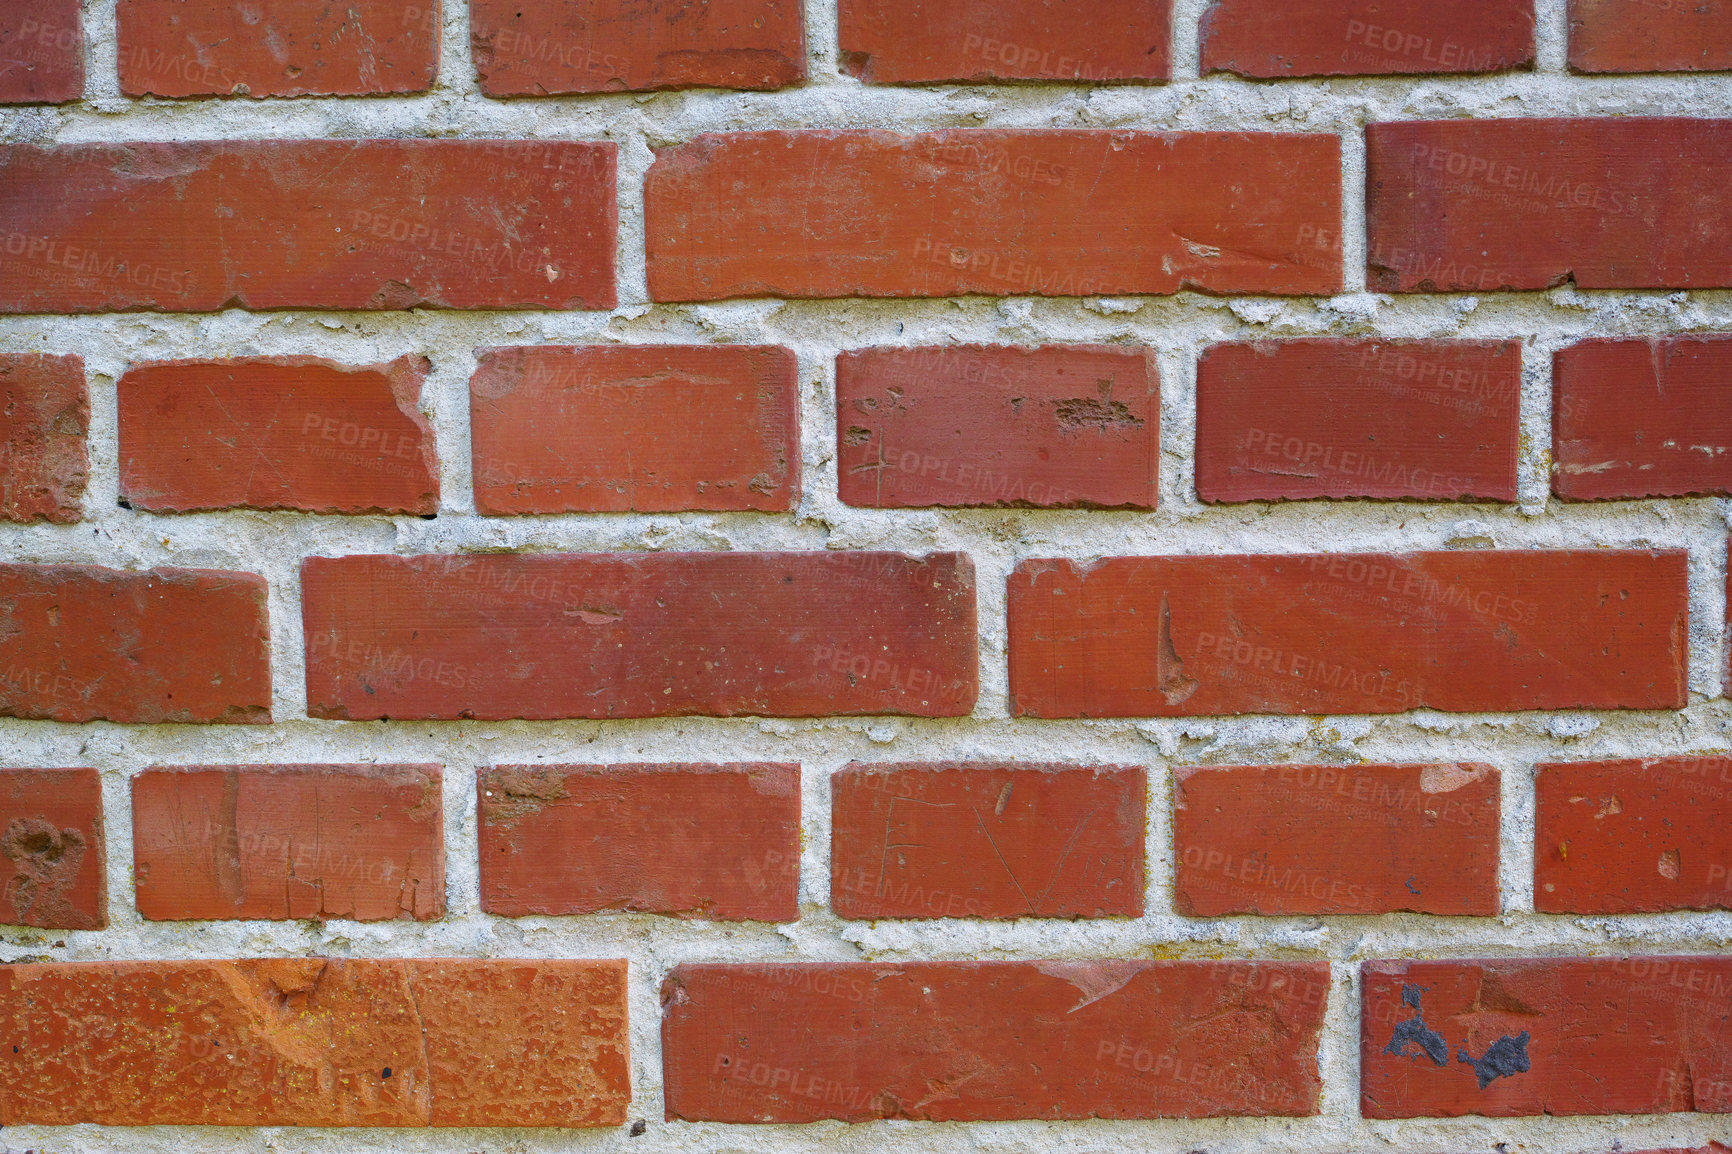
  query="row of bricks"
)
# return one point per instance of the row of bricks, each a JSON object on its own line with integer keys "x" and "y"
{"x": 949, "y": 840}
{"x": 448, "y": 1042}
{"x": 177, "y": 48}
{"x": 683, "y": 428}
{"x": 722, "y": 634}
{"x": 1456, "y": 205}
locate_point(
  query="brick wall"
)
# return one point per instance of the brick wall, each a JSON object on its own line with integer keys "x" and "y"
{"x": 866, "y": 575}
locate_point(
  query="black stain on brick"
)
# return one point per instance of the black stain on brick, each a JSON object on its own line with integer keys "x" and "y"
{"x": 1505, "y": 1057}
{"x": 1414, "y": 1031}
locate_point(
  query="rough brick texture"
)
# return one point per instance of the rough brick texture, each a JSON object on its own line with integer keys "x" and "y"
{"x": 1650, "y": 35}
{"x": 1419, "y": 420}
{"x": 314, "y": 1042}
{"x": 41, "y": 52}
{"x": 362, "y": 842}
{"x": 277, "y": 433}
{"x": 1271, "y": 39}
{"x": 962, "y": 1041}
{"x": 718, "y": 842}
{"x": 53, "y": 858}
{"x": 987, "y": 840}
{"x": 44, "y": 418}
{"x": 1000, "y": 213}
{"x": 653, "y": 429}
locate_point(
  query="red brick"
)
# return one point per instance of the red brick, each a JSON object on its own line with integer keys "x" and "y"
{"x": 1065, "y": 426}
{"x": 987, "y": 840}
{"x": 55, "y": 873}
{"x": 720, "y": 842}
{"x": 277, "y": 433}
{"x": 318, "y": 224}
{"x": 315, "y": 1042}
{"x": 919, "y": 42}
{"x": 646, "y": 428}
{"x": 312, "y": 48}
{"x": 1049, "y": 213}
{"x": 990, "y": 1041}
{"x": 639, "y": 635}
{"x": 1510, "y": 1037}
{"x": 1644, "y": 418}
{"x": 1270, "y": 39}
{"x": 41, "y": 52}
{"x": 1417, "y": 420}
{"x": 1645, "y": 36}
{"x": 364, "y": 842}
{"x": 81, "y": 643}
{"x": 1482, "y": 205}
{"x": 547, "y": 47}
{"x": 44, "y": 420}
{"x": 1465, "y": 632}
{"x": 1617, "y": 837}
{"x": 1326, "y": 839}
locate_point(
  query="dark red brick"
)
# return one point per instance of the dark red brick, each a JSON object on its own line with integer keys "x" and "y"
{"x": 865, "y": 213}
{"x": 55, "y": 868}
{"x": 363, "y": 842}
{"x": 1065, "y": 426}
{"x": 1416, "y": 420}
{"x": 639, "y": 635}
{"x": 41, "y": 52}
{"x": 1464, "y": 632}
{"x": 644, "y": 428}
{"x": 991, "y": 1041}
{"x": 44, "y": 420}
{"x": 277, "y": 433}
{"x": 1650, "y": 35}
{"x": 1270, "y": 39}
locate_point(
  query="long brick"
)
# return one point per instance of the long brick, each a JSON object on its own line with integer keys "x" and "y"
{"x": 1645, "y": 36}
{"x": 639, "y": 635}
{"x": 867, "y": 213}
{"x": 987, "y": 840}
{"x": 548, "y": 47}
{"x": 645, "y": 428}
{"x": 54, "y": 872}
{"x": 1349, "y": 633}
{"x": 1325, "y": 839}
{"x": 1484, "y": 205}
{"x": 1642, "y": 418}
{"x": 1064, "y": 426}
{"x": 1509, "y": 1037}
{"x": 718, "y": 842}
{"x": 41, "y": 51}
{"x": 1633, "y": 836}
{"x": 314, "y": 48}
{"x": 1270, "y": 39}
{"x": 363, "y": 842}
{"x": 915, "y": 42}
{"x": 315, "y": 1042}
{"x": 82, "y": 643}
{"x": 277, "y": 433}
{"x": 44, "y": 421}
{"x": 317, "y": 224}
{"x": 1416, "y": 420}
{"x": 990, "y": 1041}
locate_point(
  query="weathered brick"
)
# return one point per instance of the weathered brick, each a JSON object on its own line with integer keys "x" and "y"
{"x": 41, "y": 51}
{"x": 718, "y": 842}
{"x": 1491, "y": 631}
{"x": 639, "y": 635}
{"x": 645, "y": 428}
{"x": 55, "y": 869}
{"x": 1326, "y": 839}
{"x": 311, "y": 48}
{"x": 987, "y": 840}
{"x": 363, "y": 842}
{"x": 277, "y": 433}
{"x": 1650, "y": 35}
{"x": 318, "y": 224}
{"x": 1270, "y": 39}
{"x": 547, "y": 47}
{"x": 315, "y": 1042}
{"x": 44, "y": 420}
{"x": 989, "y": 1041}
{"x": 1507, "y": 1037}
{"x": 997, "y": 212}
{"x": 1484, "y": 205}
{"x": 918, "y": 42}
{"x": 82, "y": 643}
{"x": 1416, "y": 420}
{"x": 1064, "y": 426}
